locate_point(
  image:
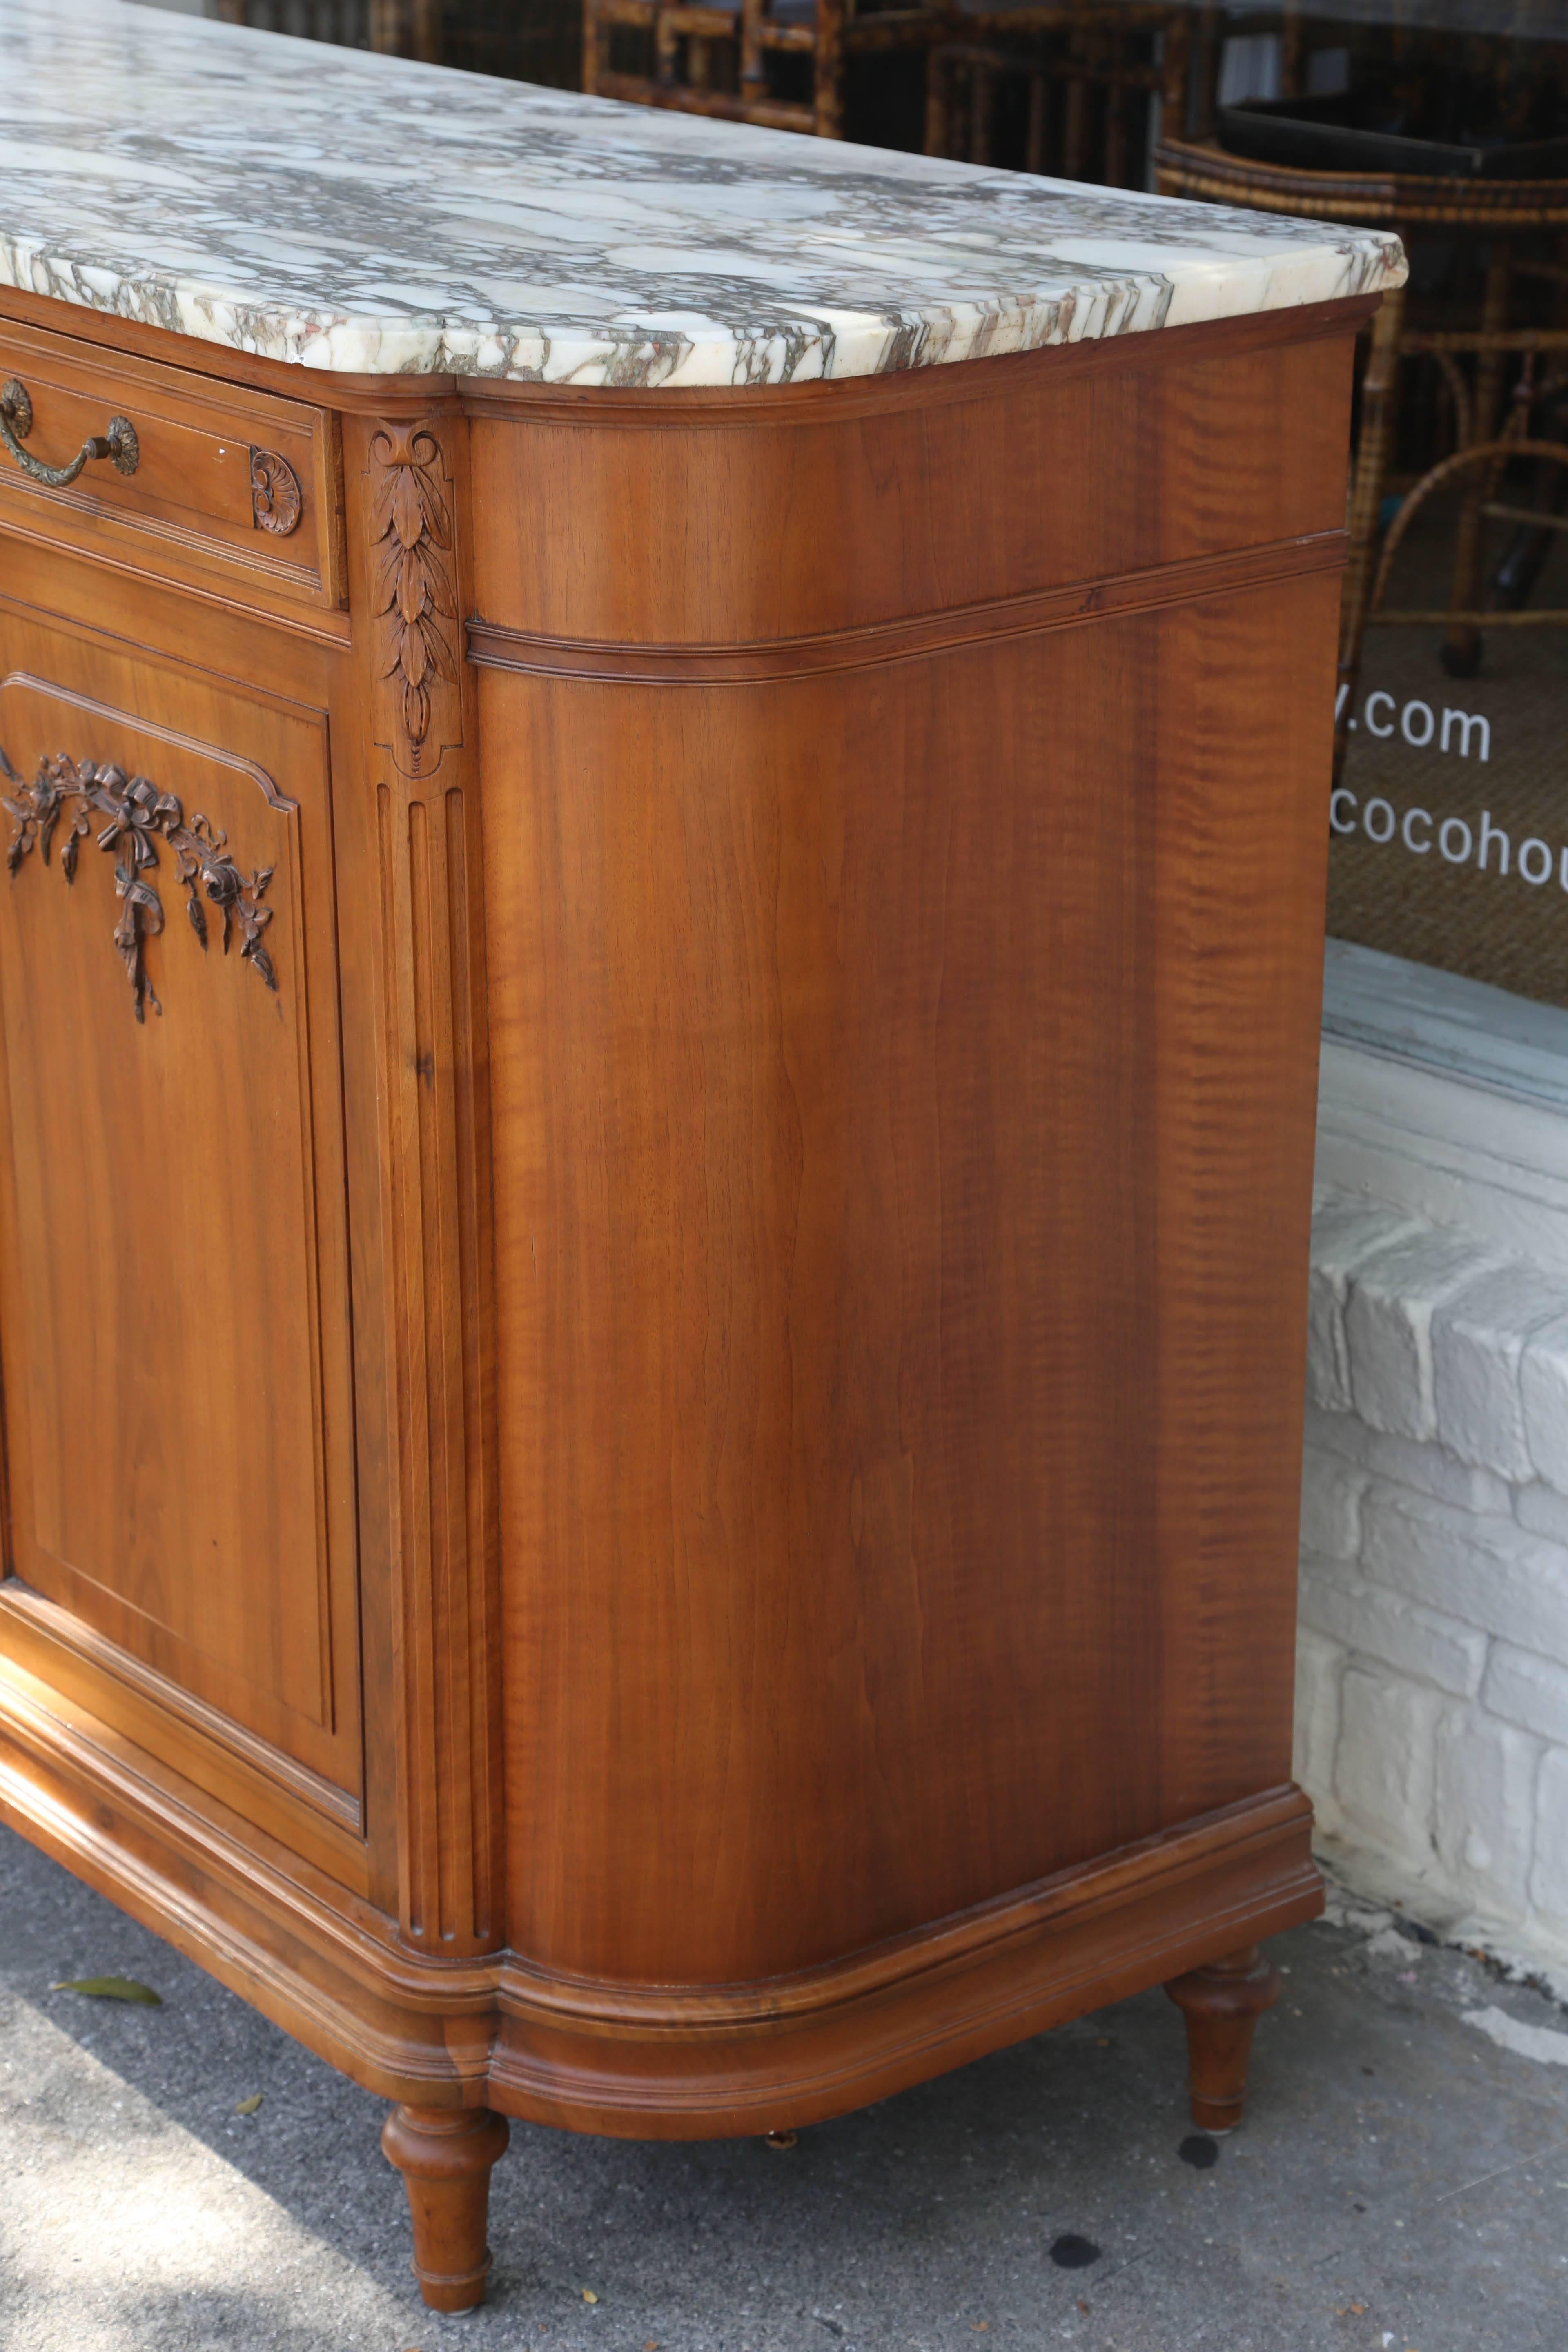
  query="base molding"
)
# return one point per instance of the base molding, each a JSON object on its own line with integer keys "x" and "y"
{"x": 663, "y": 2064}
{"x": 652, "y": 2061}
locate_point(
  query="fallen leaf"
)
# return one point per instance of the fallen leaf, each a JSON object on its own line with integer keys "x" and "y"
{"x": 588, "y": 2295}
{"x": 651, "y": 2345}
{"x": 248, "y": 2106}
{"x": 111, "y": 1989}
{"x": 1083, "y": 2307}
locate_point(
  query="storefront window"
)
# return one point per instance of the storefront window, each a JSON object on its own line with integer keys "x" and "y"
{"x": 1448, "y": 121}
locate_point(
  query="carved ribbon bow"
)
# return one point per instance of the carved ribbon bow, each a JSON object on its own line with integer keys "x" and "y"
{"x": 139, "y": 816}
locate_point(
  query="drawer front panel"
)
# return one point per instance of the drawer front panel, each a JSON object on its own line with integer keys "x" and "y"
{"x": 174, "y": 1276}
{"x": 234, "y": 492}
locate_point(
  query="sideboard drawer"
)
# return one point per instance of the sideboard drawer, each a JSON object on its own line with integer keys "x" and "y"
{"x": 228, "y": 490}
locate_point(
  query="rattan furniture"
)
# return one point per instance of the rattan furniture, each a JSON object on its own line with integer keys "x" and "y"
{"x": 1500, "y": 211}
{"x": 726, "y": 61}
{"x": 1090, "y": 76}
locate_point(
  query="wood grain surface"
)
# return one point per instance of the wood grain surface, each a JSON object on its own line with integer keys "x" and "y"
{"x": 903, "y": 1175}
{"x": 696, "y": 1422}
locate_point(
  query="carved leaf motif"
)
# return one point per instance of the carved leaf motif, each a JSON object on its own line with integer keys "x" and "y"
{"x": 416, "y": 711}
{"x": 408, "y": 515}
{"x": 414, "y": 593}
{"x": 139, "y": 815}
{"x": 438, "y": 652}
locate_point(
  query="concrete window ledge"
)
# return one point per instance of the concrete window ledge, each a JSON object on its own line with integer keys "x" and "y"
{"x": 1432, "y": 1710}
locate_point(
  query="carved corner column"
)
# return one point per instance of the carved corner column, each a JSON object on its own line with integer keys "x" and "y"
{"x": 409, "y": 466}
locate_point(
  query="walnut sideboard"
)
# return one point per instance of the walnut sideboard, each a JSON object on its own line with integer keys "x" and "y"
{"x": 658, "y": 985}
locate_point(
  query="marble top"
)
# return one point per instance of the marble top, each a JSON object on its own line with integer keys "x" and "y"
{"x": 362, "y": 213}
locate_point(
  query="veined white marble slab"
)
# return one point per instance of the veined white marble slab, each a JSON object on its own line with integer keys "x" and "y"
{"x": 362, "y": 212}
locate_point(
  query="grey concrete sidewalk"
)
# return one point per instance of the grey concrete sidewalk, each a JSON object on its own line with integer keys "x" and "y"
{"x": 1402, "y": 2182}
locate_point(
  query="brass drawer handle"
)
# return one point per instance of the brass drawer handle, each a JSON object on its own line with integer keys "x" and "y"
{"x": 118, "y": 445}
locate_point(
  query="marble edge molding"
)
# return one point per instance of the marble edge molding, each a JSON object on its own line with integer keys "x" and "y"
{"x": 364, "y": 214}
{"x": 803, "y": 352}
{"x": 811, "y": 349}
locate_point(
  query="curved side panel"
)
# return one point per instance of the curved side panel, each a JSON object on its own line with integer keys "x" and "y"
{"x": 903, "y": 971}
{"x": 903, "y": 1118}
{"x": 643, "y": 2062}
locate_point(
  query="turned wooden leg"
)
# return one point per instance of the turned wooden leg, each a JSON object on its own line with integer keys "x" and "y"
{"x": 1221, "y": 2003}
{"x": 445, "y": 2155}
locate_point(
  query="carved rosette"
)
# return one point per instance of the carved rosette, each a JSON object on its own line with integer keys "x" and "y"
{"x": 137, "y": 817}
{"x": 276, "y": 501}
{"x": 413, "y": 597}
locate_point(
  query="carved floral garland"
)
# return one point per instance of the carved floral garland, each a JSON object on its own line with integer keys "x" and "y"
{"x": 139, "y": 815}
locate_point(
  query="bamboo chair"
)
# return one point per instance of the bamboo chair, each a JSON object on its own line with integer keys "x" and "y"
{"x": 407, "y": 28}
{"x": 1498, "y": 214}
{"x": 717, "y": 60}
{"x": 1091, "y": 75}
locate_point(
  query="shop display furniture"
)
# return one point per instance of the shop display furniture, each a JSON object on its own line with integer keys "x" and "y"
{"x": 710, "y": 57}
{"x": 1504, "y": 218}
{"x": 1088, "y": 74}
{"x": 658, "y": 1011}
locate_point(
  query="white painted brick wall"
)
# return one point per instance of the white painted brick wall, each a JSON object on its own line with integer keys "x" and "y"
{"x": 1543, "y": 1511}
{"x": 1398, "y": 1633}
{"x": 1483, "y": 1569}
{"x": 1430, "y": 1469}
{"x": 1543, "y": 1383}
{"x": 1478, "y": 1341}
{"x": 1385, "y": 1765}
{"x": 1344, "y": 1232}
{"x": 1526, "y": 1690}
{"x": 1485, "y": 1809}
{"x": 1432, "y": 1665}
{"x": 1549, "y": 1877}
{"x": 1331, "y": 1490}
{"x": 1394, "y": 1296}
{"x": 1318, "y": 1668}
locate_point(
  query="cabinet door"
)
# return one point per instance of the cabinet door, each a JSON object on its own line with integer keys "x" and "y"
{"x": 173, "y": 1279}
